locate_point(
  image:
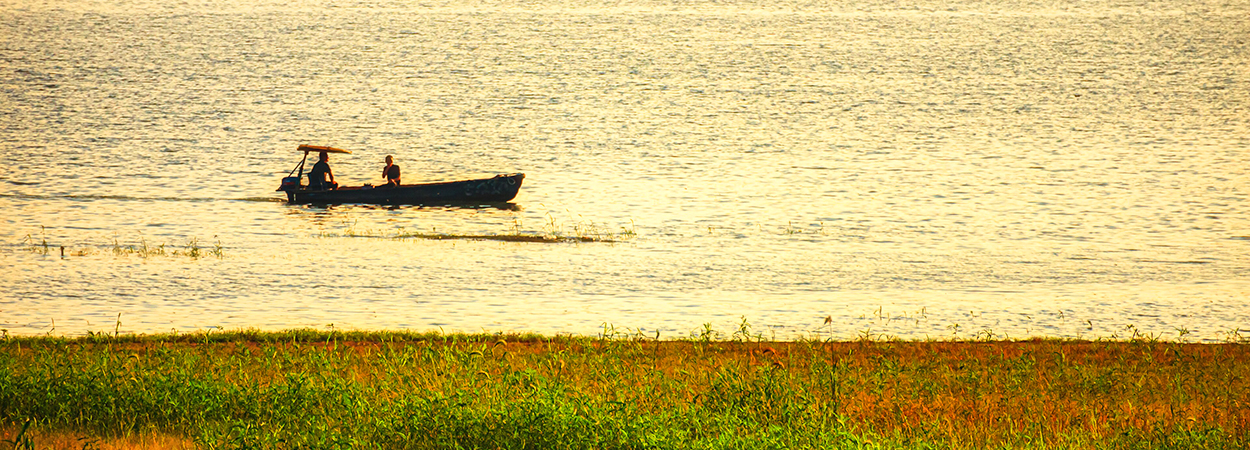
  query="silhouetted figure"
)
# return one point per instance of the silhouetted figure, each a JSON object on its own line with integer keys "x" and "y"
{"x": 391, "y": 172}
{"x": 317, "y": 178}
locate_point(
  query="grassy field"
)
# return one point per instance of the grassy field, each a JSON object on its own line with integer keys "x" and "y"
{"x": 316, "y": 389}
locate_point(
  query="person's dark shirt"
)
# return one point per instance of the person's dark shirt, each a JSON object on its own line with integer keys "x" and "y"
{"x": 391, "y": 173}
{"x": 318, "y": 174}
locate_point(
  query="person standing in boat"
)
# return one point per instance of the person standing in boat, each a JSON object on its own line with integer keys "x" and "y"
{"x": 320, "y": 171}
{"x": 391, "y": 172}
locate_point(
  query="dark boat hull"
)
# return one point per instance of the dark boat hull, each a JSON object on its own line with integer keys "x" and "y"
{"x": 501, "y": 188}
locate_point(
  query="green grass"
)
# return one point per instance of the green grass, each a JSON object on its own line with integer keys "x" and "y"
{"x": 334, "y": 389}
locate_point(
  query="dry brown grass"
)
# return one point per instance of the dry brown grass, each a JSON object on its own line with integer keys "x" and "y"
{"x": 983, "y": 390}
{"x": 60, "y": 440}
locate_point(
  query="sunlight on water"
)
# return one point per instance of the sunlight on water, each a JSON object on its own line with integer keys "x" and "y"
{"x": 935, "y": 169}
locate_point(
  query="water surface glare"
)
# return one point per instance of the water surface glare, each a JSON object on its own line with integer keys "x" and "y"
{"x": 996, "y": 168}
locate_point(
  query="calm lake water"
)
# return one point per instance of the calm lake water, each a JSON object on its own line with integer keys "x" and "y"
{"x": 925, "y": 169}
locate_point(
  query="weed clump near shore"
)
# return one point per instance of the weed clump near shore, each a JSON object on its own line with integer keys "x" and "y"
{"x": 193, "y": 249}
{"x": 323, "y": 389}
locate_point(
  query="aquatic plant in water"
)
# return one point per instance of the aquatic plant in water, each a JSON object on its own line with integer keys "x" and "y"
{"x": 40, "y": 247}
{"x": 143, "y": 249}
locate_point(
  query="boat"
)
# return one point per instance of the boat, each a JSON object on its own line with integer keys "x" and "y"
{"x": 497, "y": 189}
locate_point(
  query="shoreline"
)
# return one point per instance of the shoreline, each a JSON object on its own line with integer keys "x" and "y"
{"x": 706, "y": 335}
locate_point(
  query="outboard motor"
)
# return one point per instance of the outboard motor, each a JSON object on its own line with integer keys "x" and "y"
{"x": 290, "y": 184}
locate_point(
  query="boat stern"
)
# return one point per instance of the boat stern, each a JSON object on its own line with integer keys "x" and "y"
{"x": 290, "y": 185}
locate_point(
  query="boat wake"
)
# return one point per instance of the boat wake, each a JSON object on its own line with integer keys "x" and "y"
{"x": 89, "y": 197}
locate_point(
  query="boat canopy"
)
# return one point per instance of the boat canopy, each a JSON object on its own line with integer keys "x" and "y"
{"x": 298, "y": 171}
{"x": 320, "y": 148}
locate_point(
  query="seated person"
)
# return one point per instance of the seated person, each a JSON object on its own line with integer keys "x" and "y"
{"x": 317, "y": 177}
{"x": 391, "y": 173}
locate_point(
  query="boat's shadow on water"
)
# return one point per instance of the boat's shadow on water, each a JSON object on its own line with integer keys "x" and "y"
{"x": 323, "y": 213}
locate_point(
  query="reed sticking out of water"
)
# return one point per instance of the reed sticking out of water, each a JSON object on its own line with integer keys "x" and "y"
{"x": 320, "y": 389}
{"x": 142, "y": 249}
{"x": 497, "y": 237}
{"x": 191, "y": 249}
{"x": 42, "y": 247}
